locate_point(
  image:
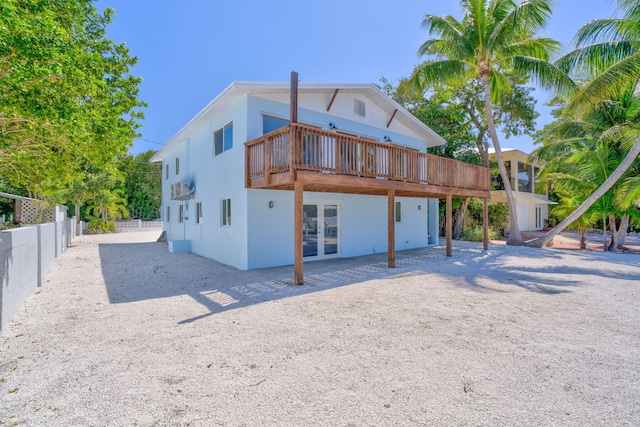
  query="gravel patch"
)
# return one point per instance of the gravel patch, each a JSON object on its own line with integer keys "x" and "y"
{"x": 124, "y": 333}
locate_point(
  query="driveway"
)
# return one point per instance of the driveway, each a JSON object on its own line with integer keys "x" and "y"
{"x": 124, "y": 333}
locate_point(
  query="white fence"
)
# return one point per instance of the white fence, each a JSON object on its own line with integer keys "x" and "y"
{"x": 27, "y": 255}
{"x": 138, "y": 225}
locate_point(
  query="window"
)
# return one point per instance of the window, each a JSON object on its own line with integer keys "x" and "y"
{"x": 226, "y": 212}
{"x": 271, "y": 123}
{"x": 168, "y": 218}
{"x": 538, "y": 217}
{"x": 199, "y": 213}
{"x": 166, "y": 174}
{"x": 177, "y": 165}
{"x": 223, "y": 139}
{"x": 398, "y": 211}
{"x": 181, "y": 213}
{"x": 359, "y": 107}
{"x": 525, "y": 178}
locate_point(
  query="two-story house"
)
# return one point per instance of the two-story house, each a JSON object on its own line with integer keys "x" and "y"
{"x": 271, "y": 174}
{"x": 532, "y": 206}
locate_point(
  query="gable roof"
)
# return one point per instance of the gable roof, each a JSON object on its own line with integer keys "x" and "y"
{"x": 236, "y": 90}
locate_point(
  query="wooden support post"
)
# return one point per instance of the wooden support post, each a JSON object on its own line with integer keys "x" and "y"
{"x": 391, "y": 227}
{"x": 294, "y": 97}
{"x": 449, "y": 225}
{"x": 298, "y": 218}
{"x": 485, "y": 223}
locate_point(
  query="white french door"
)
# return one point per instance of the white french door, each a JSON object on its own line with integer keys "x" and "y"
{"x": 320, "y": 230}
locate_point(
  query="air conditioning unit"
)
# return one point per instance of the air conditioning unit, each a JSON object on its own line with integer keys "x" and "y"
{"x": 182, "y": 191}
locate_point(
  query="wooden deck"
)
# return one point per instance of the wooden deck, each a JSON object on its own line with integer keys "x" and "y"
{"x": 301, "y": 158}
{"x": 331, "y": 162}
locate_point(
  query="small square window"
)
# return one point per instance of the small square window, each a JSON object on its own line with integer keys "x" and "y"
{"x": 177, "y": 165}
{"x": 166, "y": 168}
{"x": 168, "y": 218}
{"x": 226, "y": 212}
{"x": 199, "y": 213}
{"x": 398, "y": 211}
{"x": 181, "y": 213}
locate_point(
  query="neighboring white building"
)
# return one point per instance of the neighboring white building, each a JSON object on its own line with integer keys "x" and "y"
{"x": 355, "y": 153}
{"x": 532, "y": 207}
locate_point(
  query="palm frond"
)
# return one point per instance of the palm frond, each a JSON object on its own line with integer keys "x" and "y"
{"x": 499, "y": 84}
{"x": 447, "y": 72}
{"x": 544, "y": 73}
{"x": 608, "y": 82}
{"x": 630, "y": 9}
{"x": 451, "y": 41}
{"x": 526, "y": 19}
{"x": 591, "y": 60}
{"x": 540, "y": 47}
{"x": 597, "y": 30}
{"x": 629, "y": 193}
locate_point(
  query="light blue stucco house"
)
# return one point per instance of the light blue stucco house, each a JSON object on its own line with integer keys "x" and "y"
{"x": 350, "y": 177}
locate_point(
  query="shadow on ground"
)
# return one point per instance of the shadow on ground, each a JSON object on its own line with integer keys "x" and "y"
{"x": 144, "y": 271}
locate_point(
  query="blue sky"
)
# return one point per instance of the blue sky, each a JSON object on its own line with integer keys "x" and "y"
{"x": 190, "y": 50}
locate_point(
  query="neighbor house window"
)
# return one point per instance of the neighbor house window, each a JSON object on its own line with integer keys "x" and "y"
{"x": 223, "y": 139}
{"x": 177, "y": 165}
{"x": 398, "y": 211}
{"x": 199, "y": 213}
{"x": 181, "y": 217}
{"x": 226, "y": 212}
{"x": 166, "y": 169}
{"x": 168, "y": 218}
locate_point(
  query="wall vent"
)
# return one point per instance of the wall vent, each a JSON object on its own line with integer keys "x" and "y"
{"x": 359, "y": 107}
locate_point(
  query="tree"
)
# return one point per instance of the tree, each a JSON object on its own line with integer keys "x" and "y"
{"x": 142, "y": 185}
{"x": 496, "y": 38}
{"x": 582, "y": 151}
{"x": 608, "y": 54}
{"x": 67, "y": 97}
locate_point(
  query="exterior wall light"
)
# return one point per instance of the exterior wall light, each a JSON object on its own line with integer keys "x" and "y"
{"x": 271, "y": 204}
{"x": 419, "y": 207}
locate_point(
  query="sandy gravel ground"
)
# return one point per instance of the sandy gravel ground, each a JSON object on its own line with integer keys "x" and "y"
{"x": 124, "y": 333}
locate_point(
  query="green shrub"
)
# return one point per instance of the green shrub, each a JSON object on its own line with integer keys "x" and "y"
{"x": 99, "y": 226}
{"x": 475, "y": 234}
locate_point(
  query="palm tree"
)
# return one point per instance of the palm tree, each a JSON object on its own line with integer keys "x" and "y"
{"x": 495, "y": 40}
{"x": 608, "y": 52}
{"x": 583, "y": 151}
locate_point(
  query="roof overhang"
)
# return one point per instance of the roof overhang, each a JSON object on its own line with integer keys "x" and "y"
{"x": 236, "y": 90}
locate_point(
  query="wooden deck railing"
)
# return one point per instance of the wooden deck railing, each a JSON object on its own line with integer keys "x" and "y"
{"x": 307, "y": 148}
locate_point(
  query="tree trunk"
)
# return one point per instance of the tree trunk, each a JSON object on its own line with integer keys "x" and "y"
{"x": 515, "y": 238}
{"x": 604, "y": 234}
{"x": 622, "y": 231}
{"x": 583, "y": 240}
{"x": 613, "y": 247}
{"x": 457, "y": 225}
{"x": 613, "y": 178}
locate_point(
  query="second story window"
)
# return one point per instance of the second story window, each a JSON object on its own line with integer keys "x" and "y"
{"x": 223, "y": 139}
{"x": 166, "y": 168}
{"x": 177, "y": 165}
{"x": 271, "y": 123}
